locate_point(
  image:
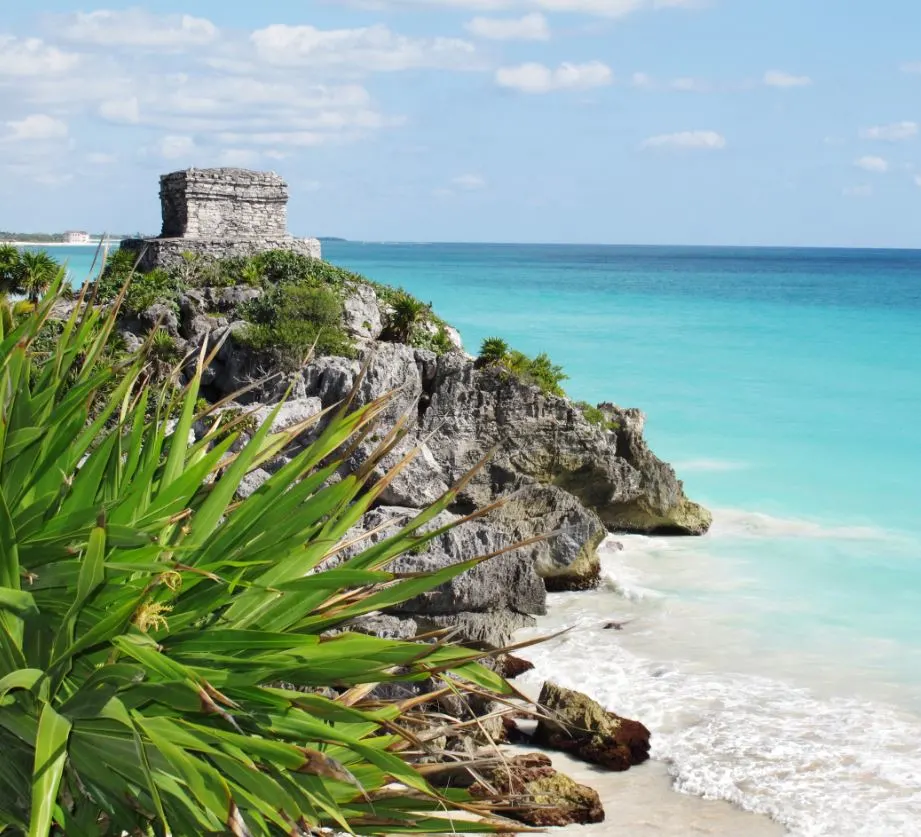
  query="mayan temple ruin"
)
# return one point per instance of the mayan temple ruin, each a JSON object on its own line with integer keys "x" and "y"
{"x": 220, "y": 213}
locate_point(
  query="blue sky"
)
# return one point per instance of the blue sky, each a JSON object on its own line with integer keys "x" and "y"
{"x": 611, "y": 121}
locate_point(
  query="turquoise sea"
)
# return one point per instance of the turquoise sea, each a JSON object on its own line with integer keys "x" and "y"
{"x": 778, "y": 659}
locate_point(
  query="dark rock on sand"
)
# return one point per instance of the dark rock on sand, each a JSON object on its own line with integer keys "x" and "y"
{"x": 545, "y": 797}
{"x": 583, "y": 728}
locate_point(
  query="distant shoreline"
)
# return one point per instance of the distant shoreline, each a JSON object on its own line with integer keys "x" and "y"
{"x": 56, "y": 243}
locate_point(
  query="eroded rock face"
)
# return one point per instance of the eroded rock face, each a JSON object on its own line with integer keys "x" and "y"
{"x": 660, "y": 506}
{"x": 546, "y": 797}
{"x": 362, "y": 313}
{"x": 485, "y": 604}
{"x": 547, "y": 440}
{"x": 559, "y": 480}
{"x": 580, "y": 726}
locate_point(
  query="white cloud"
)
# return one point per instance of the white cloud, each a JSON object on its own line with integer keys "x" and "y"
{"x": 243, "y": 158}
{"x": 538, "y": 78}
{"x": 470, "y": 182}
{"x": 599, "y": 8}
{"x": 911, "y": 67}
{"x": 33, "y": 57}
{"x": 690, "y": 85}
{"x": 175, "y": 147}
{"x": 230, "y": 108}
{"x": 38, "y": 126}
{"x": 874, "y": 164}
{"x": 52, "y": 178}
{"x": 707, "y": 140}
{"x": 371, "y": 49}
{"x": 221, "y": 91}
{"x": 531, "y": 27}
{"x": 864, "y": 191}
{"x": 684, "y": 84}
{"x": 135, "y": 29}
{"x": 642, "y": 80}
{"x": 100, "y": 158}
{"x": 303, "y": 139}
{"x": 918, "y": 180}
{"x": 777, "y": 78}
{"x": 896, "y": 132}
{"x": 122, "y": 111}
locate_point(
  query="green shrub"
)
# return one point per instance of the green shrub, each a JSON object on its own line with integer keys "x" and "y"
{"x": 164, "y": 661}
{"x": 539, "y": 371}
{"x": 493, "y": 350}
{"x": 146, "y": 289}
{"x": 120, "y": 266}
{"x": 279, "y": 267}
{"x": 546, "y": 374}
{"x": 434, "y": 338}
{"x": 406, "y": 314}
{"x": 595, "y": 416}
{"x": 288, "y": 320}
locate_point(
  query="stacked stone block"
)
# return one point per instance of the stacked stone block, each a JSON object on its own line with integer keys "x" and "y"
{"x": 220, "y": 213}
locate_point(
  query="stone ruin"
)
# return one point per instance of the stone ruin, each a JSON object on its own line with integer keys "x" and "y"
{"x": 220, "y": 213}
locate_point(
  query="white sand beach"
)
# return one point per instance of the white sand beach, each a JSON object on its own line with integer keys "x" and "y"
{"x": 642, "y": 803}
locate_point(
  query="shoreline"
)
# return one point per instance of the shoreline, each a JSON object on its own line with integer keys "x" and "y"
{"x": 86, "y": 244}
{"x": 644, "y": 800}
{"x": 759, "y": 736}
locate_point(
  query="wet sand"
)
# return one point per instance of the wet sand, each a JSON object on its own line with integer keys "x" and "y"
{"x": 642, "y": 803}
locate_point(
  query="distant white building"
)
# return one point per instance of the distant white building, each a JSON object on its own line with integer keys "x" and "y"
{"x": 76, "y": 237}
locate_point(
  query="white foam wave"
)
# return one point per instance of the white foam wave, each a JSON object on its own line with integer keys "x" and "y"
{"x": 822, "y": 768}
{"x": 741, "y": 523}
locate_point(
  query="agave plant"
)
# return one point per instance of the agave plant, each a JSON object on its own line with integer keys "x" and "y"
{"x": 163, "y": 645}
{"x": 406, "y": 312}
{"x": 493, "y": 350}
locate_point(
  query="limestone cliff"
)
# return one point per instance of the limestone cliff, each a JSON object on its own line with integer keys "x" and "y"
{"x": 560, "y": 474}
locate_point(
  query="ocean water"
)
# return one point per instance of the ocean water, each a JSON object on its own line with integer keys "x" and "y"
{"x": 778, "y": 659}
{"x": 82, "y": 261}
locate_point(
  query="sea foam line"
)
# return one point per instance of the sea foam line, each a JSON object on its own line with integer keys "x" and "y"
{"x": 822, "y": 768}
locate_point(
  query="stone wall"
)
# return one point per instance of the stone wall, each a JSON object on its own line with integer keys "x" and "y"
{"x": 168, "y": 252}
{"x": 223, "y": 203}
{"x": 220, "y": 213}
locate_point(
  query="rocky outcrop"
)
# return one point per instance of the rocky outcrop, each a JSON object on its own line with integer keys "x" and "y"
{"x": 555, "y": 480}
{"x": 547, "y": 440}
{"x": 660, "y": 506}
{"x": 578, "y": 725}
{"x": 541, "y": 796}
{"x": 485, "y": 604}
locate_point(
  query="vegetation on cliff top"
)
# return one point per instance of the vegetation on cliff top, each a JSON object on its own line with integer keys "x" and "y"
{"x": 301, "y": 306}
{"x": 165, "y": 666}
{"x": 300, "y": 309}
{"x": 539, "y": 371}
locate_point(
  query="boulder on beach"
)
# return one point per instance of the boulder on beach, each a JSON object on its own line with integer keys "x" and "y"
{"x": 513, "y": 666}
{"x": 580, "y": 726}
{"x": 543, "y": 797}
